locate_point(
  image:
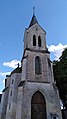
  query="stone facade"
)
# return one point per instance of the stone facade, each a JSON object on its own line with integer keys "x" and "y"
{"x": 24, "y": 82}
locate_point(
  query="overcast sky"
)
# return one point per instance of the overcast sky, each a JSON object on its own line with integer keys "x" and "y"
{"x": 15, "y": 16}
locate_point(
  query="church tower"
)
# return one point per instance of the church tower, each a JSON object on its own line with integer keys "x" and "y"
{"x": 32, "y": 93}
{"x": 37, "y": 93}
{"x": 36, "y": 57}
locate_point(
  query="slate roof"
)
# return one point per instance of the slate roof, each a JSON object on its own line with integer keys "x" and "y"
{"x": 17, "y": 70}
{"x": 33, "y": 21}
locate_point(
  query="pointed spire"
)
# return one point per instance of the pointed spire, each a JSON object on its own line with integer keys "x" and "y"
{"x": 33, "y": 20}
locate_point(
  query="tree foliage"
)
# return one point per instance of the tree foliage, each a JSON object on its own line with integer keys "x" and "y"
{"x": 60, "y": 76}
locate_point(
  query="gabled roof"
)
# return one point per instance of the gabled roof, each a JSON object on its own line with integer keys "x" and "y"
{"x": 33, "y": 21}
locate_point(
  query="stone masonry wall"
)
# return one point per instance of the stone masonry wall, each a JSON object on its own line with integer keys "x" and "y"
{"x": 25, "y": 94}
{"x": 30, "y": 67}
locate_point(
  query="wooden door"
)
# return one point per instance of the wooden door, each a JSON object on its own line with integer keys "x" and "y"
{"x": 38, "y": 106}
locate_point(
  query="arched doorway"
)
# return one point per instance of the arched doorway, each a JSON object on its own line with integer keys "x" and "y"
{"x": 38, "y": 106}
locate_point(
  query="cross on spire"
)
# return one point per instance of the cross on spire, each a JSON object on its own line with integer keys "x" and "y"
{"x": 33, "y": 11}
{"x": 33, "y": 20}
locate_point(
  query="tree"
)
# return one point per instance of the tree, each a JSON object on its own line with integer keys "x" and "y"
{"x": 60, "y": 76}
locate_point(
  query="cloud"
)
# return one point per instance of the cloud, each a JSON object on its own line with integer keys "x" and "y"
{"x": 57, "y": 50}
{"x": 12, "y": 64}
{"x": 2, "y": 79}
{"x": 3, "y": 74}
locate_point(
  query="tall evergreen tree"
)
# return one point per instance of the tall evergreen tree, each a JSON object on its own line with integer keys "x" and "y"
{"x": 60, "y": 76}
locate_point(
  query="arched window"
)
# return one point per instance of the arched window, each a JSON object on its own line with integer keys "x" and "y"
{"x": 39, "y": 41}
{"x": 34, "y": 40}
{"x": 38, "y": 106}
{"x": 37, "y": 65}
